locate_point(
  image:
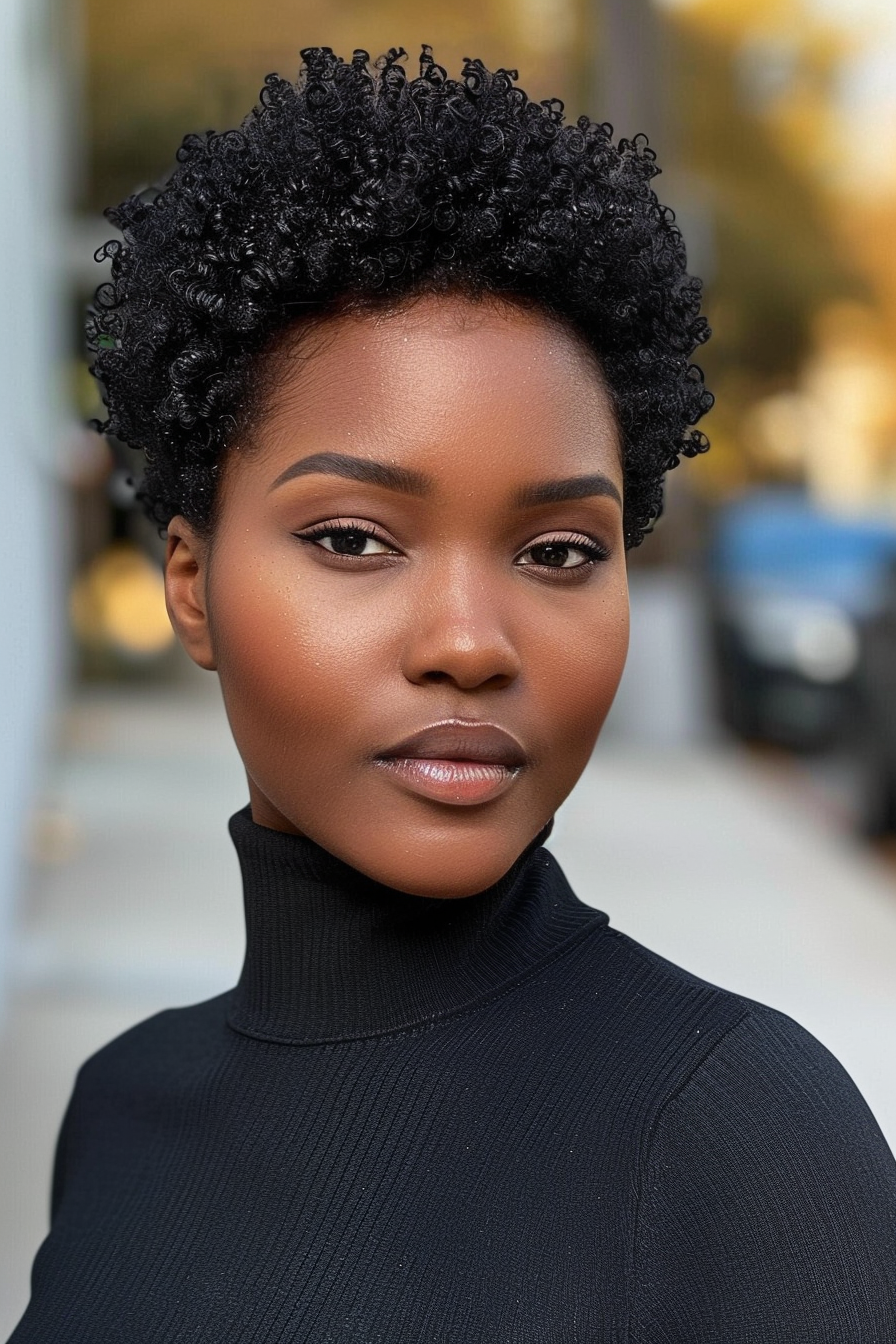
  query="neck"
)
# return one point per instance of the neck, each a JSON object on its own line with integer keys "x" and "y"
{"x": 333, "y": 955}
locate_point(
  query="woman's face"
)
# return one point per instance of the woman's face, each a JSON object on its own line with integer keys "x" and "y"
{"x": 425, "y": 534}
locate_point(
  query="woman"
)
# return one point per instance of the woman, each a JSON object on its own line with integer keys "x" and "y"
{"x": 408, "y": 359}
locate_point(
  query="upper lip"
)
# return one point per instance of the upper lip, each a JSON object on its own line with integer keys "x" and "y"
{"x": 461, "y": 740}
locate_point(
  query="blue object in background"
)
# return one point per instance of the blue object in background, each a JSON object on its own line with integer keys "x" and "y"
{"x": 779, "y": 540}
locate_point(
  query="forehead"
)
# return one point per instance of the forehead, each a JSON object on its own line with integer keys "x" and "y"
{"x": 445, "y": 384}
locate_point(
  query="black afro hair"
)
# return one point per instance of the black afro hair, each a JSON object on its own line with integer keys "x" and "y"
{"x": 357, "y": 184}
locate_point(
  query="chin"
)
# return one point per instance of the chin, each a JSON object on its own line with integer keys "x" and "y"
{"x": 452, "y": 887}
{"x": 447, "y": 866}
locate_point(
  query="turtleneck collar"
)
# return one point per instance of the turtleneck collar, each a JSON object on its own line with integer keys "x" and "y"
{"x": 332, "y": 955}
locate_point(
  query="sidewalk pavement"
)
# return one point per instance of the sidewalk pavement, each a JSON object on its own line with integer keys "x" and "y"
{"x": 706, "y": 856}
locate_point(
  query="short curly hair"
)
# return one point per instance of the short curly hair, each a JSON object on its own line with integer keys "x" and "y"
{"x": 357, "y": 185}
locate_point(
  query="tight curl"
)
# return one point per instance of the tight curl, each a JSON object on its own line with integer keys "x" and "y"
{"x": 357, "y": 184}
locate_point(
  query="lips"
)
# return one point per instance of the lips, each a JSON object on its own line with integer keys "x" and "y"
{"x": 455, "y": 761}
{"x": 460, "y": 740}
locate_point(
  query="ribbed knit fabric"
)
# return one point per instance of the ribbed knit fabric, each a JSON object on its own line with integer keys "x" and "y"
{"x": 486, "y": 1121}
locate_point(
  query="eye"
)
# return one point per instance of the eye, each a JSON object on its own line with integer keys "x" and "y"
{"x": 563, "y": 553}
{"x": 350, "y": 539}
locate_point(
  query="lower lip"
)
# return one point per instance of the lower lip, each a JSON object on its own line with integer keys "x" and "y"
{"x": 460, "y": 782}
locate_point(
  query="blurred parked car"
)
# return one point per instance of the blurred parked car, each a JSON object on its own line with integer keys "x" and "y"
{"x": 803, "y": 608}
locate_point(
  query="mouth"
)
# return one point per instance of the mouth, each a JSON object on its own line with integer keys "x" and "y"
{"x": 456, "y": 761}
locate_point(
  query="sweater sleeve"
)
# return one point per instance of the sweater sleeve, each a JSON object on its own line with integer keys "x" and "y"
{"x": 768, "y": 1203}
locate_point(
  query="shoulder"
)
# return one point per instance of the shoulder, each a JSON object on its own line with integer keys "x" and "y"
{"x": 134, "y": 1076}
{"x": 749, "y": 1049}
{"x": 671, "y": 1023}
{"x": 169, "y": 1044}
{"x": 711, "y": 1057}
{"x": 769, "y": 1091}
{"x": 780, "y": 1063}
{"x": 768, "y": 1190}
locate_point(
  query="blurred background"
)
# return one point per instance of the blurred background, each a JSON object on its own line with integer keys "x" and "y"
{"x": 739, "y": 815}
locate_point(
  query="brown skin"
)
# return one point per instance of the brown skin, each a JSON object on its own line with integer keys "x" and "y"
{"x": 326, "y": 659}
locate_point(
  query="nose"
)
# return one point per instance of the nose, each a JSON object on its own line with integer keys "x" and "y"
{"x": 457, "y": 632}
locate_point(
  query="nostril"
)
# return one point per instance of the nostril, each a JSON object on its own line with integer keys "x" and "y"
{"x": 496, "y": 682}
{"x": 499, "y": 681}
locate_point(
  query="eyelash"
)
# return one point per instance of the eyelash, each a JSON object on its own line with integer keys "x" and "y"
{"x": 593, "y": 550}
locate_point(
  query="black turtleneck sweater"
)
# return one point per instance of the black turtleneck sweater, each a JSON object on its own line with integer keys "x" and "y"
{"x": 484, "y": 1121}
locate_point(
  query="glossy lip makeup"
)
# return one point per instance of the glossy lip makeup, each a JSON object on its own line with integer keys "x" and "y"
{"x": 456, "y": 761}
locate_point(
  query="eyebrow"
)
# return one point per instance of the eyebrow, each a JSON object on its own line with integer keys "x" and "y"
{"x": 409, "y": 482}
{"x": 403, "y": 479}
{"x": 573, "y": 487}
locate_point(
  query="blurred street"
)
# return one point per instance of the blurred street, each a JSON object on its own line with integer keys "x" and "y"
{"x": 707, "y": 855}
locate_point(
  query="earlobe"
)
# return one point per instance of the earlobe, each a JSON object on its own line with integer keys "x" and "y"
{"x": 186, "y": 559}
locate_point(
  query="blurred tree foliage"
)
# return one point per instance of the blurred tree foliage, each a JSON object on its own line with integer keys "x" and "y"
{"x": 776, "y": 256}
{"x": 156, "y": 71}
{"x": 749, "y": 119}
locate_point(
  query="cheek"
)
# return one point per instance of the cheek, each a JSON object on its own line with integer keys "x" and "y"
{"x": 575, "y": 675}
{"x": 291, "y": 661}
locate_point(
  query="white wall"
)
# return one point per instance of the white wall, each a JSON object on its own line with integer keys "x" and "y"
{"x": 32, "y": 318}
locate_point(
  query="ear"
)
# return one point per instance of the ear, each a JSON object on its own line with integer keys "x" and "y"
{"x": 186, "y": 573}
